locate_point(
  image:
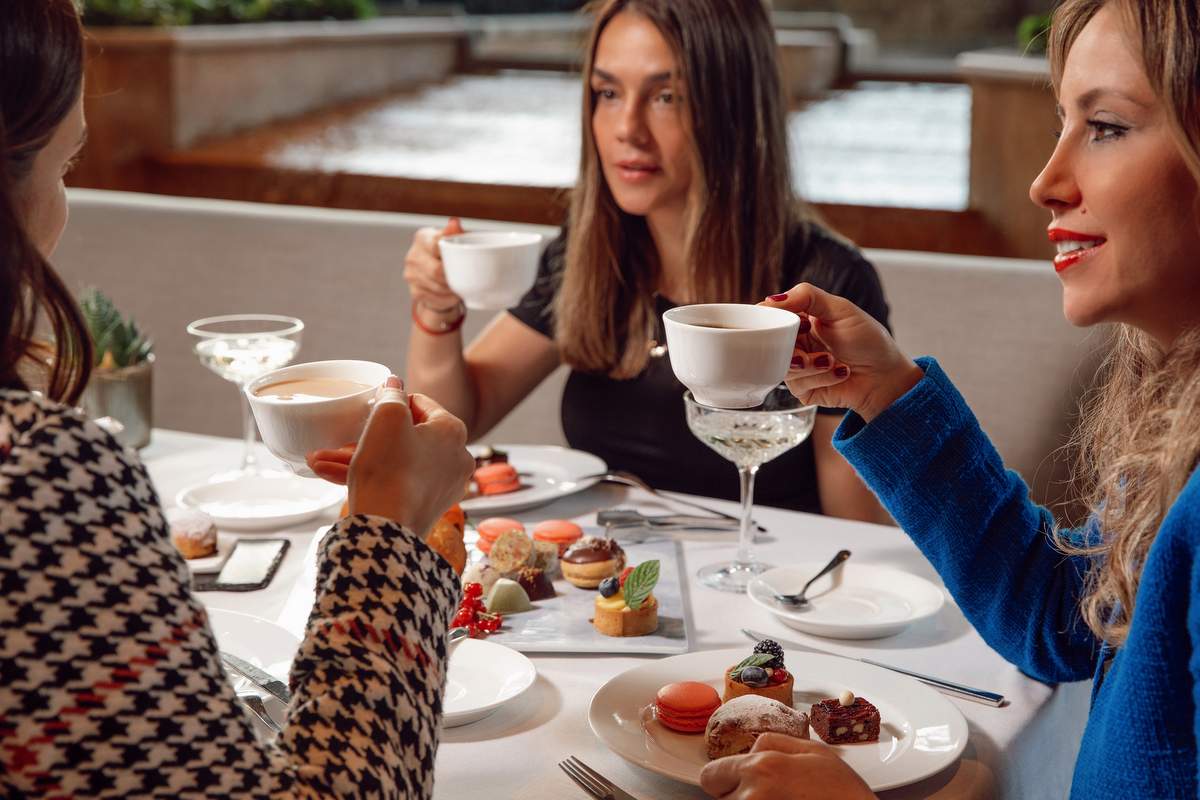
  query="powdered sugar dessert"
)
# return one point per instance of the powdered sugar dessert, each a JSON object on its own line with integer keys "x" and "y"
{"x": 734, "y": 727}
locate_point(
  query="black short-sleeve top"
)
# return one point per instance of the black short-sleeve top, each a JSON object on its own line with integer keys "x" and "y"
{"x": 639, "y": 424}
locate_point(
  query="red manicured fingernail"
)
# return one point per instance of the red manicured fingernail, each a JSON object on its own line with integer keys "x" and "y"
{"x": 841, "y": 372}
{"x": 778, "y": 298}
{"x": 798, "y": 362}
{"x": 805, "y": 325}
{"x": 822, "y": 362}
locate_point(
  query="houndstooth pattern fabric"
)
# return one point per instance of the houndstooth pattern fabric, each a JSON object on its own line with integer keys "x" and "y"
{"x": 110, "y": 682}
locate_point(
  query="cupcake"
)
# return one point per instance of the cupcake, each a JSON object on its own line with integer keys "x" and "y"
{"x": 590, "y": 560}
{"x": 193, "y": 532}
{"x": 761, "y": 673}
{"x": 626, "y": 606}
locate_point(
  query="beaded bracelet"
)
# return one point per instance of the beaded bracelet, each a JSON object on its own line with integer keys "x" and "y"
{"x": 447, "y": 327}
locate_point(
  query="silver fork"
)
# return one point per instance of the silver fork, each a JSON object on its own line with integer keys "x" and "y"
{"x": 259, "y": 709}
{"x": 593, "y": 782}
{"x": 629, "y": 479}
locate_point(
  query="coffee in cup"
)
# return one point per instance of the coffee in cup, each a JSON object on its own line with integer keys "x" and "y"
{"x": 490, "y": 269}
{"x": 321, "y": 405}
{"x": 731, "y": 355}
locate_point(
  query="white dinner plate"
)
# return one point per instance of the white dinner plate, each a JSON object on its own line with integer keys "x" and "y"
{"x": 264, "y": 644}
{"x": 857, "y": 601}
{"x": 262, "y": 502}
{"x": 547, "y": 473}
{"x": 921, "y": 732}
{"x": 482, "y": 676}
{"x": 213, "y": 563}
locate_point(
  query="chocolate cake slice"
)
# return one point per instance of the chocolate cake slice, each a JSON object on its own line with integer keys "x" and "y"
{"x": 839, "y": 724}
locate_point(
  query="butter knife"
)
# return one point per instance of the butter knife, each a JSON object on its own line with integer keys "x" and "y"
{"x": 624, "y": 517}
{"x": 260, "y": 678}
{"x": 948, "y": 687}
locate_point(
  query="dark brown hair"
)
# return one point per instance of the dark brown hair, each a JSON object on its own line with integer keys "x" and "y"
{"x": 741, "y": 207}
{"x": 41, "y": 76}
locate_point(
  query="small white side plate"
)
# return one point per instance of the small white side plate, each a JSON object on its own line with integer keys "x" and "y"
{"x": 483, "y": 676}
{"x": 264, "y": 644}
{"x": 858, "y": 601}
{"x": 262, "y": 502}
{"x": 213, "y": 563}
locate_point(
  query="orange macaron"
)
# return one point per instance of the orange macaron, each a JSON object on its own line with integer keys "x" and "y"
{"x": 561, "y": 532}
{"x": 686, "y": 706}
{"x": 491, "y": 529}
{"x": 497, "y": 478}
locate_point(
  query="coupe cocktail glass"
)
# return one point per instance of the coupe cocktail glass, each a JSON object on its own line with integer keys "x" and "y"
{"x": 749, "y": 437}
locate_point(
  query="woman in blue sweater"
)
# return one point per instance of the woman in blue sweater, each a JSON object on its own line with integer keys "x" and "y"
{"x": 1119, "y": 599}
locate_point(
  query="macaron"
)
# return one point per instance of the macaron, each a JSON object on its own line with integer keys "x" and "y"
{"x": 497, "y": 479}
{"x": 491, "y": 529}
{"x": 561, "y": 532}
{"x": 686, "y": 706}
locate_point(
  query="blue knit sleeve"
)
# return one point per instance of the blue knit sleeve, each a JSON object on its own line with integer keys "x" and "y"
{"x": 941, "y": 479}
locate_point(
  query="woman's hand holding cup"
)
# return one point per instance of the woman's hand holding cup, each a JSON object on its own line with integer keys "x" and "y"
{"x": 843, "y": 358}
{"x": 410, "y": 465}
{"x": 431, "y": 294}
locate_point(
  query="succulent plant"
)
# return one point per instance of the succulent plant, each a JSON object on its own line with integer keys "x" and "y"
{"x": 119, "y": 342}
{"x": 208, "y": 12}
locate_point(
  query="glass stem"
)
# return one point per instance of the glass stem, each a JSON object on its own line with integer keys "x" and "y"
{"x": 746, "y": 535}
{"x": 249, "y": 434}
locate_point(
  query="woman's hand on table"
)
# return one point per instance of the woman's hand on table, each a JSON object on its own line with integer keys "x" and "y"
{"x": 843, "y": 358}
{"x": 410, "y": 465}
{"x": 782, "y": 767}
{"x": 432, "y": 297}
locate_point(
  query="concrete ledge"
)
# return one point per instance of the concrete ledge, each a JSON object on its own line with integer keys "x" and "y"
{"x": 1003, "y": 64}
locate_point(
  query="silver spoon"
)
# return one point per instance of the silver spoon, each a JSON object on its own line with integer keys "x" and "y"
{"x": 798, "y": 600}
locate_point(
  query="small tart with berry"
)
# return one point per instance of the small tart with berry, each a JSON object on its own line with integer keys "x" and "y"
{"x": 626, "y": 605}
{"x": 761, "y": 673}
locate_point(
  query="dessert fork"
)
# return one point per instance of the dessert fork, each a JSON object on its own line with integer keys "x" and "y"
{"x": 593, "y": 782}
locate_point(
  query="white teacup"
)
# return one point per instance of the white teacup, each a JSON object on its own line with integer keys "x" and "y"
{"x": 294, "y": 425}
{"x": 490, "y": 269}
{"x": 730, "y": 355}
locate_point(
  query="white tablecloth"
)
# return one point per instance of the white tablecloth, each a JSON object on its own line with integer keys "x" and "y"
{"x": 1023, "y": 750}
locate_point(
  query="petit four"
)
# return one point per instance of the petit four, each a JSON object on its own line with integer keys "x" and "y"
{"x": 507, "y": 597}
{"x": 626, "y": 606}
{"x": 561, "y": 532}
{"x": 510, "y": 551}
{"x": 686, "y": 706}
{"x": 489, "y": 455}
{"x": 535, "y": 583}
{"x": 446, "y": 538}
{"x": 591, "y": 560}
{"x": 545, "y": 558}
{"x": 482, "y": 573}
{"x": 845, "y": 719}
{"x": 736, "y": 725}
{"x": 193, "y": 532}
{"x": 491, "y": 528}
{"x": 497, "y": 479}
{"x": 761, "y": 673}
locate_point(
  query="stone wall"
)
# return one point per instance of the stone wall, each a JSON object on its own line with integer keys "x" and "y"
{"x": 943, "y": 27}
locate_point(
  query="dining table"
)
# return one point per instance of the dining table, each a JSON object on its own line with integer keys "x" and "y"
{"x": 1025, "y": 748}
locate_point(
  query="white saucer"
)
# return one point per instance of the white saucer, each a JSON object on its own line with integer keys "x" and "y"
{"x": 213, "y": 563}
{"x": 483, "y": 676}
{"x": 858, "y": 601}
{"x": 262, "y": 502}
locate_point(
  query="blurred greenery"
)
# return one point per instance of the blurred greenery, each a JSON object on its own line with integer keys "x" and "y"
{"x": 119, "y": 341}
{"x": 1032, "y": 33}
{"x": 210, "y": 12}
{"x": 519, "y": 6}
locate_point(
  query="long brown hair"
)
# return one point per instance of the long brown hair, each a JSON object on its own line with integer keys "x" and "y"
{"x": 41, "y": 76}
{"x": 741, "y": 207}
{"x": 1139, "y": 439}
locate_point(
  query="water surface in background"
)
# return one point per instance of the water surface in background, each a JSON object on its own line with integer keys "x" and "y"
{"x": 890, "y": 144}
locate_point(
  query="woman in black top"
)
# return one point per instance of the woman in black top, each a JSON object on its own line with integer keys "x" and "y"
{"x": 684, "y": 196}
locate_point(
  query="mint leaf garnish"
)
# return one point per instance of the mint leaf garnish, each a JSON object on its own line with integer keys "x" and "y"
{"x": 640, "y": 583}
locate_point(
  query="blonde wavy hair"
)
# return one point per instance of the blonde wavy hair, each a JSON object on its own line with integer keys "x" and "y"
{"x": 1139, "y": 438}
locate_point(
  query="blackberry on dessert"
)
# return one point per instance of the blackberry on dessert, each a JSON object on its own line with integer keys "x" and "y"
{"x": 761, "y": 673}
{"x": 845, "y": 720}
